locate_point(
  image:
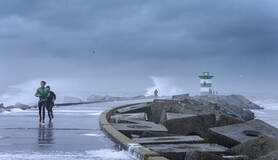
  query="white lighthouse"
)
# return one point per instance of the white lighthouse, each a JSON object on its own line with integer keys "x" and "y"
{"x": 206, "y": 84}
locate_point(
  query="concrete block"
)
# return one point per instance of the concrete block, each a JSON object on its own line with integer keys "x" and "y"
{"x": 117, "y": 118}
{"x": 143, "y": 107}
{"x": 225, "y": 120}
{"x": 256, "y": 148}
{"x": 232, "y": 135}
{"x": 270, "y": 156}
{"x": 139, "y": 128}
{"x": 169, "y": 139}
{"x": 140, "y": 152}
{"x": 195, "y": 155}
{"x": 178, "y": 115}
{"x": 191, "y": 125}
{"x": 157, "y": 158}
{"x": 179, "y": 151}
{"x": 235, "y": 157}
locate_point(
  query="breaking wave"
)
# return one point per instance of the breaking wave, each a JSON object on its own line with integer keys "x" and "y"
{"x": 165, "y": 86}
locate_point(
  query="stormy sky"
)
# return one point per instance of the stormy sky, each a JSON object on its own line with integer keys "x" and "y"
{"x": 121, "y": 46}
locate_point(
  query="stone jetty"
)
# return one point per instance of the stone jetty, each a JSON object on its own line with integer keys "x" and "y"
{"x": 192, "y": 128}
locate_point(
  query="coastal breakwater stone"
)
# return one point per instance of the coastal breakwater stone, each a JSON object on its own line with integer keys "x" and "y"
{"x": 157, "y": 158}
{"x": 256, "y": 148}
{"x": 233, "y": 105}
{"x": 191, "y": 125}
{"x": 169, "y": 139}
{"x": 138, "y": 128}
{"x": 180, "y": 97}
{"x": 225, "y": 120}
{"x": 160, "y": 108}
{"x": 197, "y": 106}
{"x": 232, "y": 135}
{"x": 270, "y": 156}
{"x": 170, "y": 115}
{"x": 179, "y": 151}
{"x": 229, "y": 100}
{"x": 143, "y": 107}
{"x": 128, "y": 116}
{"x": 194, "y": 155}
{"x": 235, "y": 157}
{"x": 156, "y": 134}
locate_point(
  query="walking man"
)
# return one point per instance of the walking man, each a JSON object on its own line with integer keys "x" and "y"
{"x": 50, "y": 103}
{"x": 43, "y": 94}
{"x": 155, "y": 93}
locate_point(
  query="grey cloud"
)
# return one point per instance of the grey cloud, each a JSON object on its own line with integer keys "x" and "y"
{"x": 141, "y": 38}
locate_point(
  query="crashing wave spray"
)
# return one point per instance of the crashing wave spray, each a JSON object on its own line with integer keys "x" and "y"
{"x": 24, "y": 92}
{"x": 166, "y": 87}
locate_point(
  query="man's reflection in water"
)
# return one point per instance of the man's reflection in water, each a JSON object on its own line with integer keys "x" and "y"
{"x": 46, "y": 134}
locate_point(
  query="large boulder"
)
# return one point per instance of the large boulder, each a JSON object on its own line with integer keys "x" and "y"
{"x": 256, "y": 148}
{"x": 159, "y": 110}
{"x": 194, "y": 155}
{"x": 227, "y": 120}
{"x": 180, "y": 97}
{"x": 191, "y": 125}
{"x": 179, "y": 151}
{"x": 230, "y": 100}
{"x": 233, "y": 105}
{"x": 185, "y": 104}
{"x": 271, "y": 156}
{"x": 235, "y": 134}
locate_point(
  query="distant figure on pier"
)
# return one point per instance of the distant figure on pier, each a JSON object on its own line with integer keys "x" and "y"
{"x": 43, "y": 94}
{"x": 156, "y": 93}
{"x": 50, "y": 103}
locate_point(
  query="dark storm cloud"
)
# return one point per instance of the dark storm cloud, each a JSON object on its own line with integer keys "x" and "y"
{"x": 172, "y": 35}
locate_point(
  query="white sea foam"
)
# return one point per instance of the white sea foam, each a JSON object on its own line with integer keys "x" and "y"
{"x": 271, "y": 104}
{"x": 102, "y": 154}
{"x": 95, "y": 114}
{"x": 270, "y": 111}
{"x": 108, "y": 154}
{"x": 92, "y": 135}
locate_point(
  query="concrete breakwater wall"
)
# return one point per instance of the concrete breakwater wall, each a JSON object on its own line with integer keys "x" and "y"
{"x": 192, "y": 128}
{"x": 122, "y": 140}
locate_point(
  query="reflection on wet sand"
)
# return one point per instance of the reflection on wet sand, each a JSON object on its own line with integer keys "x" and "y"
{"x": 45, "y": 135}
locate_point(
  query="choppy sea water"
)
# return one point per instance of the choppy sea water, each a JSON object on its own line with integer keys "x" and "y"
{"x": 270, "y": 112}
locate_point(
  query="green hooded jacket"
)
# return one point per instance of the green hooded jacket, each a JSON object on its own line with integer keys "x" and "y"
{"x": 42, "y": 93}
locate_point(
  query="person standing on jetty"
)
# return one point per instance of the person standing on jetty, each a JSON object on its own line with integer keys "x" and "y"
{"x": 50, "y": 103}
{"x": 43, "y": 94}
{"x": 155, "y": 93}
